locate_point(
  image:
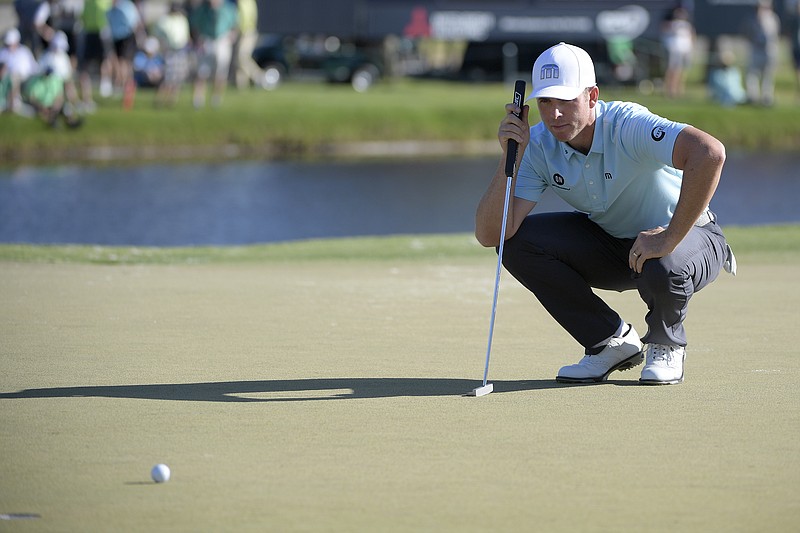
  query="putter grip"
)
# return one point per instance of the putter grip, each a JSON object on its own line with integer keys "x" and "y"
{"x": 511, "y": 154}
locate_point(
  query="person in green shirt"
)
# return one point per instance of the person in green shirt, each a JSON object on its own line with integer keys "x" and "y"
{"x": 44, "y": 92}
{"x": 5, "y": 86}
{"x": 95, "y": 50}
{"x": 214, "y": 24}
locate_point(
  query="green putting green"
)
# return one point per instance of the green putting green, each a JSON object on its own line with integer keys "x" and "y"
{"x": 325, "y": 394}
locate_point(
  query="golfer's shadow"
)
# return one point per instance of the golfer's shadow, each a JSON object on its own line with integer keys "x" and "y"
{"x": 286, "y": 390}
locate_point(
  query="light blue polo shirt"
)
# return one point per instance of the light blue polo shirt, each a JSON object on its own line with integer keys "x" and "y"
{"x": 123, "y": 17}
{"x": 626, "y": 183}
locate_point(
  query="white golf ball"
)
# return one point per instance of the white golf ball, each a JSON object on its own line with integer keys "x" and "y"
{"x": 160, "y": 473}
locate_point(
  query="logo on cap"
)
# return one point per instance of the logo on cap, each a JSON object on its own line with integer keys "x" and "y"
{"x": 549, "y": 72}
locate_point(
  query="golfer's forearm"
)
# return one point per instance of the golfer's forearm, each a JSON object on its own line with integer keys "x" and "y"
{"x": 489, "y": 215}
{"x": 701, "y": 157}
{"x": 699, "y": 184}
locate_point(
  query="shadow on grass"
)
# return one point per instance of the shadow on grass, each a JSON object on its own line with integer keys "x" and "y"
{"x": 288, "y": 390}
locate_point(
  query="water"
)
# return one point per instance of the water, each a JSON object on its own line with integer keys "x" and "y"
{"x": 255, "y": 202}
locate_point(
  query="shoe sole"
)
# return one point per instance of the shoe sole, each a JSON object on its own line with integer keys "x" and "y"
{"x": 657, "y": 382}
{"x": 631, "y": 362}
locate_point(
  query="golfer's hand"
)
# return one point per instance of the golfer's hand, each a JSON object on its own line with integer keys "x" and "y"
{"x": 515, "y": 127}
{"x": 649, "y": 244}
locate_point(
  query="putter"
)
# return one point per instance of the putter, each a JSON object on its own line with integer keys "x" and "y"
{"x": 511, "y": 159}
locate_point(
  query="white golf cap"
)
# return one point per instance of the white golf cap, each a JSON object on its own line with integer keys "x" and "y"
{"x": 151, "y": 45}
{"x": 562, "y": 71}
{"x": 12, "y": 37}
{"x": 60, "y": 41}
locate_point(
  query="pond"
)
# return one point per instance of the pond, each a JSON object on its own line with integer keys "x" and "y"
{"x": 245, "y": 202}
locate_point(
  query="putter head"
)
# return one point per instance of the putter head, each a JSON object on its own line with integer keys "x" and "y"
{"x": 482, "y": 391}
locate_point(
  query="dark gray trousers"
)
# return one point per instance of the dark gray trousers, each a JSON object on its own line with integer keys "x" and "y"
{"x": 561, "y": 257}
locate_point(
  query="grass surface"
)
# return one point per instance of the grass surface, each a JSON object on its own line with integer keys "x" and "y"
{"x": 305, "y": 391}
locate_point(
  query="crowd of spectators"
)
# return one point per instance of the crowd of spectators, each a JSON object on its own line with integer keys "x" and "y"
{"x": 733, "y": 79}
{"x": 735, "y": 75}
{"x": 57, "y": 58}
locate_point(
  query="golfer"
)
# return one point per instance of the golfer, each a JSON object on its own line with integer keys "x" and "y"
{"x": 640, "y": 185}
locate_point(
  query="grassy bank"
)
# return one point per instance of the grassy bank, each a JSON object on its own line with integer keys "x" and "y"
{"x": 775, "y": 244}
{"x": 302, "y": 120}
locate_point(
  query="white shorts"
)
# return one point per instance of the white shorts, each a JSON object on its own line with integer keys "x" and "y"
{"x": 214, "y": 59}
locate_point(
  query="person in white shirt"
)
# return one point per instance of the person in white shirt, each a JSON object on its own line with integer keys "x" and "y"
{"x": 678, "y": 37}
{"x": 57, "y": 59}
{"x": 764, "y": 34}
{"x": 20, "y": 65}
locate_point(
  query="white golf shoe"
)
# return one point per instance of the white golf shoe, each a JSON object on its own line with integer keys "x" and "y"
{"x": 664, "y": 365}
{"x": 621, "y": 353}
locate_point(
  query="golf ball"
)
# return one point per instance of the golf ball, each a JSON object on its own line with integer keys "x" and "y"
{"x": 160, "y": 473}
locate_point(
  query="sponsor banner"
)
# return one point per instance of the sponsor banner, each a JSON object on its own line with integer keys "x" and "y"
{"x": 628, "y": 20}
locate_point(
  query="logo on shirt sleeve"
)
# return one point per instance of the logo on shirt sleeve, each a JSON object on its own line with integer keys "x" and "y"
{"x": 658, "y": 133}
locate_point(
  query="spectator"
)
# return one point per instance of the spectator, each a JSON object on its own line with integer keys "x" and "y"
{"x": 127, "y": 29}
{"x": 20, "y": 65}
{"x": 725, "y": 81}
{"x": 44, "y": 92}
{"x": 622, "y": 57}
{"x": 763, "y": 33}
{"x": 172, "y": 30}
{"x": 31, "y": 15}
{"x": 793, "y": 8}
{"x": 148, "y": 65}
{"x": 677, "y": 34}
{"x": 5, "y": 86}
{"x": 247, "y": 70}
{"x": 62, "y": 17}
{"x": 94, "y": 51}
{"x": 215, "y": 23}
{"x": 58, "y": 61}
